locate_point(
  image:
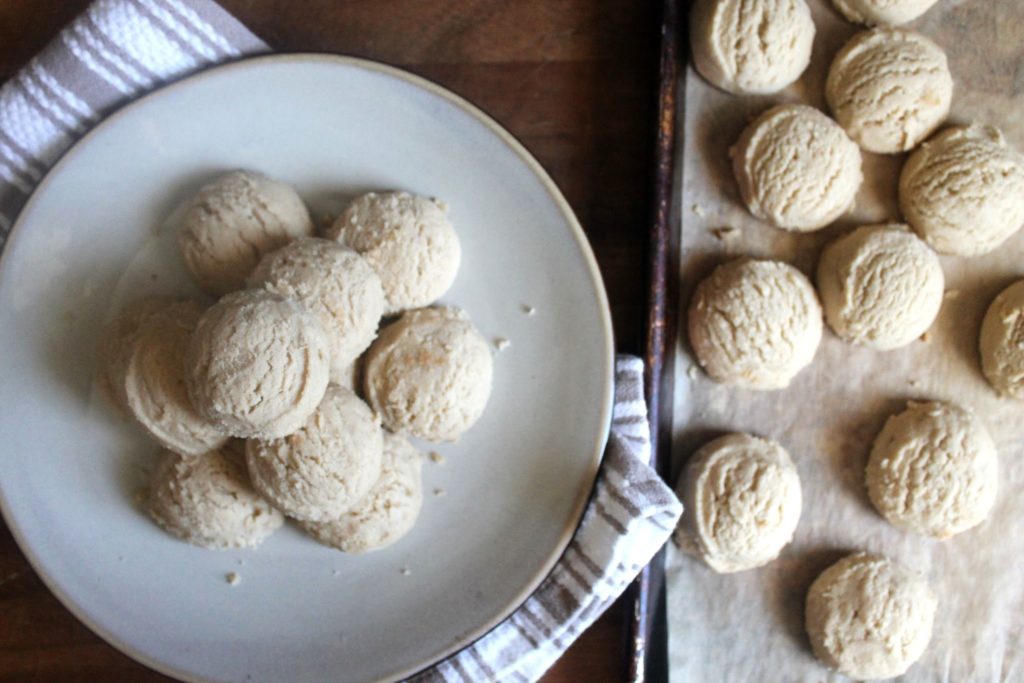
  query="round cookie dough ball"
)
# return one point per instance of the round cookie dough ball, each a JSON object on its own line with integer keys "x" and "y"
{"x": 933, "y": 470}
{"x": 429, "y": 374}
{"x": 336, "y": 284}
{"x": 321, "y": 471}
{"x": 889, "y": 89}
{"x": 741, "y": 502}
{"x": 207, "y": 500}
{"x": 963, "y": 191}
{"x": 755, "y": 324}
{"x": 880, "y": 286}
{"x": 257, "y": 364}
{"x": 751, "y": 47}
{"x": 155, "y": 383}
{"x": 1002, "y": 342}
{"x": 869, "y": 618}
{"x": 233, "y": 222}
{"x": 796, "y": 168}
{"x": 408, "y": 240}
{"x": 117, "y": 342}
{"x": 883, "y": 12}
{"x": 387, "y": 512}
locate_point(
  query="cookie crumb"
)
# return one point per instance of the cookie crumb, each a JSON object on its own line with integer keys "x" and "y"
{"x": 698, "y": 209}
{"x": 692, "y": 372}
{"x": 233, "y": 578}
{"x": 501, "y": 343}
{"x": 912, "y": 382}
{"x": 436, "y": 458}
{"x": 926, "y": 336}
{"x": 725, "y": 233}
{"x": 405, "y": 571}
{"x": 439, "y": 492}
{"x": 528, "y": 309}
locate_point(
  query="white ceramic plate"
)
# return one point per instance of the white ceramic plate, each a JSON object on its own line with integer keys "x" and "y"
{"x": 96, "y": 233}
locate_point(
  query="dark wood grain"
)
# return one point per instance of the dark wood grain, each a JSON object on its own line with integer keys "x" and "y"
{"x": 574, "y": 80}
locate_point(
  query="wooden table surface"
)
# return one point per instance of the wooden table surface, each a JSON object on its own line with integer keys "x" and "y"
{"x": 574, "y": 80}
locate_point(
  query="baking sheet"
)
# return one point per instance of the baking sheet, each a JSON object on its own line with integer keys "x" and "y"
{"x": 749, "y": 626}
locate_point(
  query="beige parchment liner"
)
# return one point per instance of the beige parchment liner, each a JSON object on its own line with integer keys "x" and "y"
{"x": 749, "y": 626}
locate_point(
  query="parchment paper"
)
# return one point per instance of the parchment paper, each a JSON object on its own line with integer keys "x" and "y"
{"x": 749, "y": 626}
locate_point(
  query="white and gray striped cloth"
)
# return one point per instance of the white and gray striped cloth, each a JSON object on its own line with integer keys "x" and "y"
{"x": 119, "y": 49}
{"x": 114, "y": 52}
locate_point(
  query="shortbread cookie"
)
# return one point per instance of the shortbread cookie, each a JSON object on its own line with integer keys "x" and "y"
{"x": 963, "y": 191}
{"x": 889, "y": 89}
{"x": 741, "y": 502}
{"x": 408, "y": 240}
{"x": 207, "y": 500}
{"x": 880, "y": 286}
{"x": 233, "y": 222}
{"x": 883, "y": 12}
{"x": 429, "y": 374}
{"x": 336, "y": 284}
{"x": 869, "y": 618}
{"x": 755, "y": 324}
{"x": 155, "y": 383}
{"x": 326, "y": 467}
{"x": 933, "y": 470}
{"x": 1002, "y": 341}
{"x": 751, "y": 47}
{"x": 387, "y": 512}
{"x": 258, "y": 364}
{"x": 796, "y": 168}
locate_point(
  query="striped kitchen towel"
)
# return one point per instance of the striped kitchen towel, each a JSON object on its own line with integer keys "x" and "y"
{"x": 114, "y": 52}
{"x": 120, "y": 49}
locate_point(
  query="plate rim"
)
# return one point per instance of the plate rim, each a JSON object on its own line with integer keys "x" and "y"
{"x": 463, "y": 639}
